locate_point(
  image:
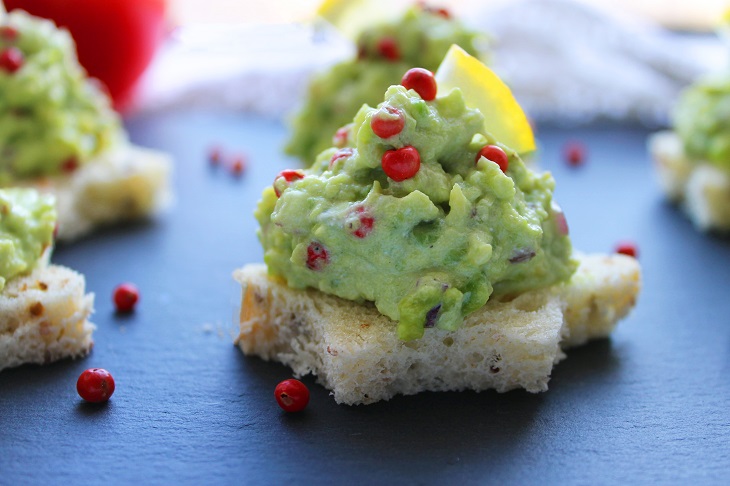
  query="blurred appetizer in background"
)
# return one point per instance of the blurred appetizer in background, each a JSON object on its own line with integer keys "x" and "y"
{"x": 692, "y": 159}
{"x": 420, "y": 36}
{"x": 60, "y": 134}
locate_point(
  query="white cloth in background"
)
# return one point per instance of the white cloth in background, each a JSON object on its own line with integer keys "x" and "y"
{"x": 574, "y": 62}
{"x": 263, "y": 69}
{"x": 564, "y": 60}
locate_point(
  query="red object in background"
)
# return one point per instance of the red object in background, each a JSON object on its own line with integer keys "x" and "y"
{"x": 115, "y": 39}
{"x": 574, "y": 153}
{"x": 125, "y": 297}
{"x": 628, "y": 248}
{"x": 388, "y": 48}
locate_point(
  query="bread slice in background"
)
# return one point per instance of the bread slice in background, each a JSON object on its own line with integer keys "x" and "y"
{"x": 602, "y": 291}
{"x": 44, "y": 317}
{"x": 355, "y": 352}
{"x": 123, "y": 184}
{"x": 700, "y": 188}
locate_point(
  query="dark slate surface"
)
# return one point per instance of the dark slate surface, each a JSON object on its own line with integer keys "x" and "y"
{"x": 649, "y": 405}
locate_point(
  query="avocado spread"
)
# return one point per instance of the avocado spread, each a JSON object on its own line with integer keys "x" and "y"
{"x": 52, "y": 117}
{"x": 27, "y": 221}
{"x": 420, "y": 38}
{"x": 702, "y": 121}
{"x": 418, "y": 222}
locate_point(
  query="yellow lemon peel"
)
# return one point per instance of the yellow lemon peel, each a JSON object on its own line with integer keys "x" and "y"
{"x": 482, "y": 89}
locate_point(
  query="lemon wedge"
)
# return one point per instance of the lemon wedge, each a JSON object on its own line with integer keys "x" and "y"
{"x": 482, "y": 89}
{"x": 351, "y": 17}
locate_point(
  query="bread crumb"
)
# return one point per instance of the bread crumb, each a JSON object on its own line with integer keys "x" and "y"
{"x": 36, "y": 309}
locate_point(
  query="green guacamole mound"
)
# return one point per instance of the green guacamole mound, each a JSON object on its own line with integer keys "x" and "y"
{"x": 27, "y": 221}
{"x": 702, "y": 121}
{"x": 333, "y": 97}
{"x": 52, "y": 117}
{"x": 428, "y": 250}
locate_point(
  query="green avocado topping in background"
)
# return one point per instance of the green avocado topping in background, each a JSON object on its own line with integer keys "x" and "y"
{"x": 27, "y": 221}
{"x": 52, "y": 117}
{"x": 427, "y": 250}
{"x": 702, "y": 120}
{"x": 422, "y": 38}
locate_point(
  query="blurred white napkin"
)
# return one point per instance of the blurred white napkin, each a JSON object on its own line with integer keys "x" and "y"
{"x": 263, "y": 69}
{"x": 564, "y": 60}
{"x": 575, "y": 62}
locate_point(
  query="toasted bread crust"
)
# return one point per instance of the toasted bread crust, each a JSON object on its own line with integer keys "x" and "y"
{"x": 355, "y": 352}
{"x": 44, "y": 317}
{"x": 126, "y": 183}
{"x": 700, "y": 188}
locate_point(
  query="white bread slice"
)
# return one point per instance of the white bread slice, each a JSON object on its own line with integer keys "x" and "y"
{"x": 702, "y": 190}
{"x": 355, "y": 352}
{"x": 44, "y": 317}
{"x": 601, "y": 292}
{"x": 125, "y": 183}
